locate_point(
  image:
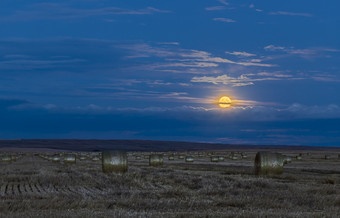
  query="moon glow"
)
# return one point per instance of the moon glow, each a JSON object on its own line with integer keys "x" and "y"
{"x": 224, "y": 102}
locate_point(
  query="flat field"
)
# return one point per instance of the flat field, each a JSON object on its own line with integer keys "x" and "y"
{"x": 35, "y": 187}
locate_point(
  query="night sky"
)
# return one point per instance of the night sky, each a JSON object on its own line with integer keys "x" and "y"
{"x": 150, "y": 69}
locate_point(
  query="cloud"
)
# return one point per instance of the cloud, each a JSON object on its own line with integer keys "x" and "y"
{"x": 291, "y": 14}
{"x": 6, "y": 103}
{"x": 242, "y": 80}
{"x": 275, "y": 74}
{"x": 54, "y": 11}
{"x": 223, "y": 2}
{"x": 225, "y": 20}
{"x": 241, "y": 53}
{"x": 215, "y": 8}
{"x": 306, "y": 53}
{"x": 224, "y": 79}
{"x": 35, "y": 63}
{"x": 175, "y": 57}
{"x": 168, "y": 43}
{"x": 274, "y": 48}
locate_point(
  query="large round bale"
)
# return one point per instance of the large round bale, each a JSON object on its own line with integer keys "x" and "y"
{"x": 171, "y": 157}
{"x": 181, "y": 156}
{"x": 156, "y": 160}
{"x": 95, "y": 158}
{"x": 269, "y": 163}
{"x": 189, "y": 159}
{"x": 298, "y": 157}
{"x": 287, "y": 159}
{"x": 6, "y": 158}
{"x": 220, "y": 158}
{"x": 233, "y": 157}
{"x": 214, "y": 159}
{"x": 114, "y": 162}
{"x": 69, "y": 159}
{"x": 138, "y": 157}
{"x": 82, "y": 157}
{"x": 56, "y": 158}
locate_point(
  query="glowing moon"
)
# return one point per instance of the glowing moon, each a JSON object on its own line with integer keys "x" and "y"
{"x": 224, "y": 102}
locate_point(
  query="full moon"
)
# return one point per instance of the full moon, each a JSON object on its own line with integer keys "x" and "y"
{"x": 224, "y": 102}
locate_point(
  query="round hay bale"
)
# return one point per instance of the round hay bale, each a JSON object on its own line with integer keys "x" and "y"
{"x": 220, "y": 158}
{"x": 298, "y": 157}
{"x": 189, "y": 159}
{"x": 214, "y": 159}
{"x": 234, "y": 157}
{"x": 268, "y": 163}
{"x": 181, "y": 157}
{"x": 171, "y": 157}
{"x": 6, "y": 158}
{"x": 138, "y": 157}
{"x": 156, "y": 160}
{"x": 56, "y": 158}
{"x": 82, "y": 157}
{"x": 146, "y": 156}
{"x": 287, "y": 160}
{"x": 114, "y": 161}
{"x": 69, "y": 159}
{"x": 95, "y": 158}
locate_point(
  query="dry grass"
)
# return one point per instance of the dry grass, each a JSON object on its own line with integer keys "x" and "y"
{"x": 34, "y": 187}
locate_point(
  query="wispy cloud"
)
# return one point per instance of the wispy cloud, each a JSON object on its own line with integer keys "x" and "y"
{"x": 241, "y": 53}
{"x": 304, "y": 53}
{"x": 215, "y": 8}
{"x": 242, "y": 80}
{"x": 186, "y": 58}
{"x": 291, "y": 13}
{"x": 225, "y": 20}
{"x": 54, "y": 11}
{"x": 223, "y": 2}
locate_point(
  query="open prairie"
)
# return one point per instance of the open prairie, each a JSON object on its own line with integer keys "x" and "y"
{"x": 33, "y": 186}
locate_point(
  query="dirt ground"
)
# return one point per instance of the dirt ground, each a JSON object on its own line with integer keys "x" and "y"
{"x": 35, "y": 187}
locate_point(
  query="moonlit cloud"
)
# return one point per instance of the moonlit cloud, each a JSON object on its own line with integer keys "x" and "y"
{"x": 224, "y": 79}
{"x": 242, "y": 80}
{"x": 241, "y": 53}
{"x": 226, "y": 20}
{"x": 304, "y": 53}
{"x": 215, "y": 8}
{"x": 223, "y": 2}
{"x": 188, "y": 58}
{"x": 56, "y": 11}
{"x": 291, "y": 14}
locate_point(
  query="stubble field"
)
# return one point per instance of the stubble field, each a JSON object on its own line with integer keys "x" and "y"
{"x": 35, "y": 187}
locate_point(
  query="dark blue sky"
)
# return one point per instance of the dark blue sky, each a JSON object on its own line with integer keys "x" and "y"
{"x": 153, "y": 70}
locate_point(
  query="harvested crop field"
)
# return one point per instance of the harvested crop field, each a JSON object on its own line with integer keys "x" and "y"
{"x": 33, "y": 186}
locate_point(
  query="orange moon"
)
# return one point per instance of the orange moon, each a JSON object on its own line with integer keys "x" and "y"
{"x": 224, "y": 102}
